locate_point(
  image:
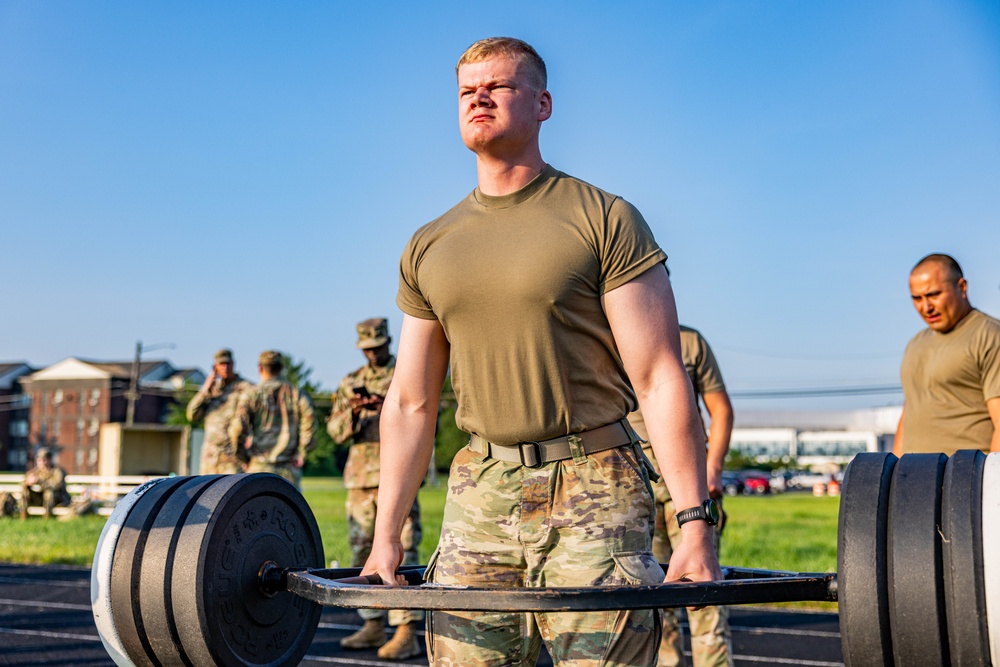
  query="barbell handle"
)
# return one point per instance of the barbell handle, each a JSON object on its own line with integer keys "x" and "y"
{"x": 741, "y": 586}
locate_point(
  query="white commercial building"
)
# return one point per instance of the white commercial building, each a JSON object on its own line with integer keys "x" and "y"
{"x": 814, "y": 437}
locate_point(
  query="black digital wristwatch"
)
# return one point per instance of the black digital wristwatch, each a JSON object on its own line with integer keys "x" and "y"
{"x": 708, "y": 512}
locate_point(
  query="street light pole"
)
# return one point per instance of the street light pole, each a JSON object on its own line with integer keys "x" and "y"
{"x": 133, "y": 386}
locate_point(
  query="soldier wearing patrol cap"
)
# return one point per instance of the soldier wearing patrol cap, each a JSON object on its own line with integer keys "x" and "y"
{"x": 279, "y": 420}
{"x": 44, "y": 485}
{"x": 354, "y": 418}
{"x": 215, "y": 403}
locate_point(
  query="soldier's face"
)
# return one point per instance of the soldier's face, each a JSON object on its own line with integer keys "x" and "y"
{"x": 224, "y": 369}
{"x": 377, "y": 356}
{"x": 499, "y": 109}
{"x": 941, "y": 301}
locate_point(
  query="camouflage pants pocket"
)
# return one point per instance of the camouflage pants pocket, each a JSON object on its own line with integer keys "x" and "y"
{"x": 608, "y": 638}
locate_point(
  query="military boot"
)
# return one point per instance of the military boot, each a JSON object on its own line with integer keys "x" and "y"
{"x": 403, "y": 644}
{"x": 371, "y": 635}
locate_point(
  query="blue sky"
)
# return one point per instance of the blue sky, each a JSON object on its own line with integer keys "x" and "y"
{"x": 247, "y": 174}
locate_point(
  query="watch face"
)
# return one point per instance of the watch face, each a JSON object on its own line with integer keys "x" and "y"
{"x": 712, "y": 510}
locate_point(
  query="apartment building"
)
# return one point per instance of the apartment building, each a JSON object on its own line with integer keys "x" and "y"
{"x": 14, "y": 408}
{"x": 72, "y": 399}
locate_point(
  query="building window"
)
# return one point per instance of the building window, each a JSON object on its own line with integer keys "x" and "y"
{"x": 94, "y": 426}
{"x": 79, "y": 458}
{"x": 57, "y": 397}
{"x": 92, "y": 457}
{"x": 95, "y": 396}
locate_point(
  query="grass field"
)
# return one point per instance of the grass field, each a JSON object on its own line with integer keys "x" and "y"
{"x": 796, "y": 532}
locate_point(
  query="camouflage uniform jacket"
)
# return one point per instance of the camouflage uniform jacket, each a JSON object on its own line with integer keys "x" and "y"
{"x": 52, "y": 478}
{"x": 217, "y": 407}
{"x": 362, "y": 469}
{"x": 278, "y": 418}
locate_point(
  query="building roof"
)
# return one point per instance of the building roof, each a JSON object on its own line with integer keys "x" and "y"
{"x": 74, "y": 368}
{"x": 11, "y": 371}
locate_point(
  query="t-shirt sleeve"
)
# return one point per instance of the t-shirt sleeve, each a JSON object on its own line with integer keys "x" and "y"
{"x": 409, "y": 298}
{"x": 629, "y": 247}
{"x": 990, "y": 356}
{"x": 709, "y": 373}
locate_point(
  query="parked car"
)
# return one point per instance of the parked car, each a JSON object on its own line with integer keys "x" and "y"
{"x": 779, "y": 481}
{"x": 732, "y": 483}
{"x": 807, "y": 480}
{"x": 756, "y": 482}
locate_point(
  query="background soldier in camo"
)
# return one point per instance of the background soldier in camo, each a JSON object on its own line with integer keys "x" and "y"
{"x": 354, "y": 418}
{"x": 215, "y": 403}
{"x": 711, "y": 644}
{"x": 44, "y": 485}
{"x": 279, "y": 420}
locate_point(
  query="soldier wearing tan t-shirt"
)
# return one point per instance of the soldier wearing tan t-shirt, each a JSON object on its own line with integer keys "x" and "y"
{"x": 711, "y": 643}
{"x": 549, "y": 300}
{"x": 951, "y": 370}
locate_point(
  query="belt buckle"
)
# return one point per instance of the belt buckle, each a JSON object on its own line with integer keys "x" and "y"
{"x": 534, "y": 460}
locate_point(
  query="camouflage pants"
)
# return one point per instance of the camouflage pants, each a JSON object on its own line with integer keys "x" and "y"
{"x": 585, "y": 521}
{"x": 710, "y": 636}
{"x": 286, "y": 470}
{"x": 43, "y": 497}
{"x": 362, "y": 505}
{"x": 218, "y": 461}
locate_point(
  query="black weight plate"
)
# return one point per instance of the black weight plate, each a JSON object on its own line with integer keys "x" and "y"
{"x": 100, "y": 573}
{"x": 862, "y": 575}
{"x": 239, "y": 524}
{"x": 916, "y": 571}
{"x": 156, "y": 570}
{"x": 125, "y": 569}
{"x": 962, "y": 556}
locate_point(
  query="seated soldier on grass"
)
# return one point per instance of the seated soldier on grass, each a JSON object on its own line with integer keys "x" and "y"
{"x": 44, "y": 485}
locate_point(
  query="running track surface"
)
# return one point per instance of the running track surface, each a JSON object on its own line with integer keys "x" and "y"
{"x": 45, "y": 621}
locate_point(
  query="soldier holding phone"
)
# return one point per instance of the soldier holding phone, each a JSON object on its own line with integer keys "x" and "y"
{"x": 215, "y": 403}
{"x": 354, "y": 418}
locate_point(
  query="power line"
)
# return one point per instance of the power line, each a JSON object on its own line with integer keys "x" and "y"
{"x": 817, "y": 391}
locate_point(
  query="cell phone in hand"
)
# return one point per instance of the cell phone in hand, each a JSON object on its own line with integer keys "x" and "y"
{"x": 361, "y": 392}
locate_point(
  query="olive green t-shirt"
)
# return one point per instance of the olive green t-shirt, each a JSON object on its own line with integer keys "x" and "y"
{"x": 702, "y": 368}
{"x": 947, "y": 379}
{"x": 516, "y": 283}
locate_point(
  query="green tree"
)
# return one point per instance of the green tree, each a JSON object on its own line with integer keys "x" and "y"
{"x": 177, "y": 416}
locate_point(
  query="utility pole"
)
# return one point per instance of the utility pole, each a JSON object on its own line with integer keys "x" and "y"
{"x": 133, "y": 387}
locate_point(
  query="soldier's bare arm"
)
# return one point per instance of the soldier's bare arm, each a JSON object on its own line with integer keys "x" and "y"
{"x": 643, "y": 318}
{"x": 409, "y": 417}
{"x": 720, "y": 409}
{"x": 993, "y": 406}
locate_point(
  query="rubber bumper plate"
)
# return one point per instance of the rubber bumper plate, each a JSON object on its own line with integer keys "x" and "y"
{"x": 962, "y": 556}
{"x": 861, "y": 561}
{"x": 239, "y": 525}
{"x": 916, "y": 572}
